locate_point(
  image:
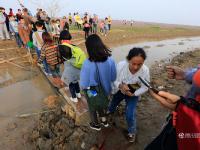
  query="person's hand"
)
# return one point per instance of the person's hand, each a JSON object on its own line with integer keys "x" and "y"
{"x": 128, "y": 93}
{"x": 166, "y": 99}
{"x": 39, "y": 64}
{"x": 125, "y": 89}
{"x": 175, "y": 72}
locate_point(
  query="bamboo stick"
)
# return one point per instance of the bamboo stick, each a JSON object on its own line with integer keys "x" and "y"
{"x": 11, "y": 59}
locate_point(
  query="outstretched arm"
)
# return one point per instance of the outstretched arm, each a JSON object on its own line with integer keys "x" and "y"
{"x": 167, "y": 99}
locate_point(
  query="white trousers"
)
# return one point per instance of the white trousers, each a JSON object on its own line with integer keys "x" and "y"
{"x": 4, "y": 32}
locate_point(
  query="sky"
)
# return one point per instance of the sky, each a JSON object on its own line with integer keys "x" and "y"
{"x": 162, "y": 11}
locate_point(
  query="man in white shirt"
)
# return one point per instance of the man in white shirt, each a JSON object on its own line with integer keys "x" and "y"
{"x": 128, "y": 86}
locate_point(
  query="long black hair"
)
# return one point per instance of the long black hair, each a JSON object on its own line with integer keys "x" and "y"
{"x": 97, "y": 50}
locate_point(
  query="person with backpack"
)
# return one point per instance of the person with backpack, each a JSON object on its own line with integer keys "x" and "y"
{"x": 73, "y": 58}
{"x": 38, "y": 43}
{"x": 97, "y": 75}
{"x": 37, "y": 37}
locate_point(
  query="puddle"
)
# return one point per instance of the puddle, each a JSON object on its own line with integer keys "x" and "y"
{"x": 22, "y": 97}
{"x": 169, "y": 49}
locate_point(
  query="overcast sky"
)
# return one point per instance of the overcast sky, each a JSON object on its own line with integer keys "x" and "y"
{"x": 163, "y": 11}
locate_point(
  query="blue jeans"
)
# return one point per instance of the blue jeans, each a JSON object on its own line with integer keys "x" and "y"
{"x": 18, "y": 39}
{"x": 131, "y": 103}
{"x": 55, "y": 70}
{"x": 46, "y": 67}
{"x": 37, "y": 50}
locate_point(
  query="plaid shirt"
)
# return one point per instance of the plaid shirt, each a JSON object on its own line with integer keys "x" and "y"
{"x": 50, "y": 52}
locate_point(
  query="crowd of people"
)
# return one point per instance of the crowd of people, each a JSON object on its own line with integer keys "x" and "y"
{"x": 13, "y": 24}
{"x": 96, "y": 73}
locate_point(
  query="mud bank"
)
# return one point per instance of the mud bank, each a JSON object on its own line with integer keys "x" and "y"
{"x": 55, "y": 131}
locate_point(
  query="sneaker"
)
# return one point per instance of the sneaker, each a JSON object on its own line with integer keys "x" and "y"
{"x": 95, "y": 126}
{"x": 47, "y": 74}
{"x": 40, "y": 65}
{"x": 131, "y": 138}
{"x": 105, "y": 123}
{"x": 75, "y": 100}
{"x": 78, "y": 95}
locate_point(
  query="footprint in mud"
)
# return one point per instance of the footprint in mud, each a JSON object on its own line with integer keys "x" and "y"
{"x": 160, "y": 45}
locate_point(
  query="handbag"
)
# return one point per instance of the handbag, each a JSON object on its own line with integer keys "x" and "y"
{"x": 100, "y": 100}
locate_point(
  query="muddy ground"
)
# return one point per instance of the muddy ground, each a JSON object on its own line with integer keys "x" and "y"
{"x": 54, "y": 130}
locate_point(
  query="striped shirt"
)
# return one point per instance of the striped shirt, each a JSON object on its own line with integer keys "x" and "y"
{"x": 125, "y": 76}
{"x": 50, "y": 52}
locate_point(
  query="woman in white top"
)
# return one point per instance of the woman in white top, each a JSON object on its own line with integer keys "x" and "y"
{"x": 128, "y": 86}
